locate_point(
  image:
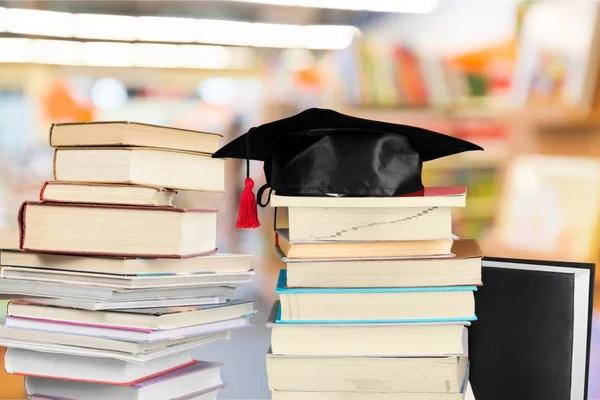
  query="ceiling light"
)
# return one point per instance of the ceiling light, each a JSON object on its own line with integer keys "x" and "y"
{"x": 58, "y": 52}
{"x": 205, "y": 57}
{"x": 392, "y": 6}
{"x": 38, "y": 22}
{"x": 13, "y": 50}
{"x": 174, "y": 30}
{"x": 107, "y": 54}
{"x": 165, "y": 29}
{"x": 105, "y": 27}
{"x": 114, "y": 54}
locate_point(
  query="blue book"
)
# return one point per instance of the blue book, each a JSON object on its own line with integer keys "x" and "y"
{"x": 374, "y": 305}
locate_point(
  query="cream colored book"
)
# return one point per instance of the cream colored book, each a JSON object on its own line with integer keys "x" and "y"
{"x": 366, "y": 374}
{"x": 146, "y": 318}
{"x": 369, "y": 224}
{"x": 375, "y": 305}
{"x": 462, "y": 269}
{"x": 141, "y": 166}
{"x": 124, "y": 133}
{"x": 218, "y": 262}
{"x": 356, "y": 339}
{"x": 359, "y": 249}
{"x": 102, "y": 193}
{"x": 450, "y": 196}
{"x": 134, "y": 231}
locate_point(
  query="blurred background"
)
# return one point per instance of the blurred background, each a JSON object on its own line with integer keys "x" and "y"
{"x": 519, "y": 78}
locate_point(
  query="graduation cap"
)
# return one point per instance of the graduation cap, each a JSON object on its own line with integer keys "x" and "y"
{"x": 320, "y": 152}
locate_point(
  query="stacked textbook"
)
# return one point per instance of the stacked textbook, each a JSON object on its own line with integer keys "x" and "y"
{"x": 113, "y": 286}
{"x": 375, "y": 301}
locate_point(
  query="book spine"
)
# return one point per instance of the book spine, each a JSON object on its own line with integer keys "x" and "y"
{"x": 21, "y": 224}
{"x": 54, "y": 165}
{"x": 50, "y": 135}
{"x": 43, "y": 190}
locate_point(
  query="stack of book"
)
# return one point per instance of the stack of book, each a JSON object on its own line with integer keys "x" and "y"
{"x": 375, "y": 301}
{"x": 114, "y": 287}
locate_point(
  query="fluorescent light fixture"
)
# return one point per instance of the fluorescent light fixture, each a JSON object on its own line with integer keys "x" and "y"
{"x": 175, "y": 30}
{"x": 115, "y": 54}
{"x": 390, "y": 6}
{"x": 165, "y": 29}
{"x": 14, "y": 50}
{"x": 38, "y": 22}
{"x": 104, "y": 27}
{"x": 107, "y": 54}
{"x": 205, "y": 57}
{"x": 58, "y": 52}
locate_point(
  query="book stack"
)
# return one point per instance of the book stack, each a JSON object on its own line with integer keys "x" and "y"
{"x": 375, "y": 301}
{"x": 114, "y": 287}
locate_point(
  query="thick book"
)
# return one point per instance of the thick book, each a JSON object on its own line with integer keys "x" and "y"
{"x": 67, "y": 291}
{"x": 121, "y": 333}
{"x": 126, "y": 282}
{"x": 125, "y": 133}
{"x": 367, "y": 374}
{"x": 359, "y": 249}
{"x": 343, "y": 224}
{"x": 144, "y": 318}
{"x": 103, "y": 193}
{"x": 462, "y": 269}
{"x": 383, "y": 305}
{"x": 216, "y": 262}
{"x": 140, "y": 166}
{"x": 451, "y": 196}
{"x": 532, "y": 339}
{"x": 356, "y": 340}
{"x": 90, "y": 369}
{"x": 199, "y": 379}
{"x": 94, "y": 229}
{"x": 12, "y": 335}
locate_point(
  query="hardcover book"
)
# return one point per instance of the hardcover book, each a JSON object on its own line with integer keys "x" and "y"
{"x": 532, "y": 337}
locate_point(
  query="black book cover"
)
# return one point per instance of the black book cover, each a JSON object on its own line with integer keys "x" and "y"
{"x": 531, "y": 340}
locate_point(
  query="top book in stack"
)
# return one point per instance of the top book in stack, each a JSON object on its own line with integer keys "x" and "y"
{"x": 134, "y": 153}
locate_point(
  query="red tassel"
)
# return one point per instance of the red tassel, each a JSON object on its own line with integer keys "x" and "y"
{"x": 248, "y": 215}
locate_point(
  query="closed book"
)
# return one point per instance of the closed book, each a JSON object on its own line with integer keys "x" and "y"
{"x": 369, "y": 224}
{"x": 126, "y": 133}
{"x": 367, "y": 374}
{"x": 352, "y": 305}
{"x": 91, "y": 342}
{"x": 532, "y": 339}
{"x": 90, "y": 369}
{"x": 73, "y": 291}
{"x": 122, "y": 305}
{"x": 103, "y": 193}
{"x": 145, "y": 318}
{"x": 216, "y": 262}
{"x": 450, "y": 196}
{"x": 141, "y": 166}
{"x": 393, "y": 340}
{"x": 358, "y": 249}
{"x": 82, "y": 353}
{"x": 93, "y": 229}
{"x": 135, "y": 335}
{"x": 464, "y": 268}
{"x": 126, "y": 282}
{"x": 201, "y": 380}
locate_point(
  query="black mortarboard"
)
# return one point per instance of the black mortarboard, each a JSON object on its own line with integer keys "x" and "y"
{"x": 319, "y": 152}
